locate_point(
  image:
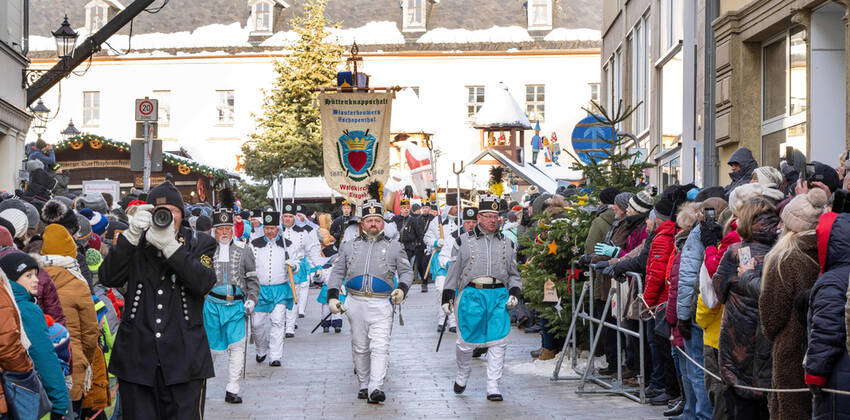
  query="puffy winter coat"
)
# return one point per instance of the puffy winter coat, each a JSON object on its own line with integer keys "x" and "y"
{"x": 661, "y": 248}
{"x": 744, "y": 158}
{"x": 780, "y": 286}
{"x": 13, "y": 354}
{"x": 827, "y": 360}
{"x": 745, "y": 353}
{"x": 692, "y": 256}
{"x": 41, "y": 350}
{"x": 48, "y": 299}
{"x": 710, "y": 318}
{"x": 670, "y": 314}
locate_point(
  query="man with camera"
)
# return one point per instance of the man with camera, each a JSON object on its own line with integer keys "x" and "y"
{"x": 366, "y": 266}
{"x": 301, "y": 242}
{"x": 231, "y": 301}
{"x": 274, "y": 271}
{"x": 161, "y": 355}
{"x": 485, "y": 273}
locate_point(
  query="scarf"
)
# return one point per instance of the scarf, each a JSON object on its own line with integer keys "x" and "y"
{"x": 67, "y": 263}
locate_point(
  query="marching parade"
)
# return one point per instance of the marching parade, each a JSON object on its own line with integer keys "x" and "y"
{"x": 267, "y": 209}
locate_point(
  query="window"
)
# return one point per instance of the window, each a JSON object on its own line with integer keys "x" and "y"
{"x": 262, "y": 17}
{"x": 784, "y": 95}
{"x": 614, "y": 92}
{"x": 640, "y": 63}
{"x": 540, "y": 14}
{"x": 535, "y": 102}
{"x": 594, "y": 91}
{"x": 475, "y": 98}
{"x": 413, "y": 15}
{"x": 672, "y": 100}
{"x": 672, "y": 17}
{"x": 225, "y": 107}
{"x": 164, "y": 97}
{"x": 96, "y": 18}
{"x": 91, "y": 109}
{"x": 671, "y": 172}
{"x": 12, "y": 22}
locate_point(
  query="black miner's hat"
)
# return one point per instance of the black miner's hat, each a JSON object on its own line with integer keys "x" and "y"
{"x": 271, "y": 218}
{"x": 222, "y": 218}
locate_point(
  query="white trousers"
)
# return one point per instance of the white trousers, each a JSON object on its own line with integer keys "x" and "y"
{"x": 235, "y": 360}
{"x": 303, "y": 290}
{"x": 439, "y": 283}
{"x": 371, "y": 322}
{"x": 269, "y": 332}
{"x": 495, "y": 363}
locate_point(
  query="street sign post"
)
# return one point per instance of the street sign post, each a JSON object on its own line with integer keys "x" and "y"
{"x": 147, "y": 111}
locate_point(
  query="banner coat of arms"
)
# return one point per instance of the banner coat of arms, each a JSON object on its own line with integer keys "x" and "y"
{"x": 355, "y": 141}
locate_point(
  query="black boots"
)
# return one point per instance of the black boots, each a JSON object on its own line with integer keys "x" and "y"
{"x": 459, "y": 389}
{"x": 232, "y": 398}
{"x": 274, "y": 363}
{"x": 494, "y": 397}
{"x": 377, "y": 396}
{"x": 260, "y": 358}
{"x": 363, "y": 394}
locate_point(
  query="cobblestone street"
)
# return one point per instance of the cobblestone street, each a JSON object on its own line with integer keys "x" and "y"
{"x": 316, "y": 379}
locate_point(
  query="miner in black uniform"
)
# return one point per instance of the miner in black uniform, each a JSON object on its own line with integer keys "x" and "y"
{"x": 342, "y": 221}
{"x": 411, "y": 232}
{"x": 161, "y": 358}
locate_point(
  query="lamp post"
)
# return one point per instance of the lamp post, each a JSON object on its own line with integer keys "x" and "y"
{"x": 66, "y": 41}
{"x": 41, "y": 113}
{"x": 70, "y": 131}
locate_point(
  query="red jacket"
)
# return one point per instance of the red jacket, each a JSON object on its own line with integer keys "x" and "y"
{"x": 662, "y": 246}
{"x": 713, "y": 254}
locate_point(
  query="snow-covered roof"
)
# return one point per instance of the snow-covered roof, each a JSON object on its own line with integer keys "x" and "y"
{"x": 500, "y": 110}
{"x": 530, "y": 173}
{"x": 497, "y": 24}
{"x": 408, "y": 116}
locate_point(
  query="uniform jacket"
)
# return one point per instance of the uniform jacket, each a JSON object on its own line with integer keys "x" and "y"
{"x": 48, "y": 299}
{"x": 745, "y": 353}
{"x": 270, "y": 258}
{"x": 827, "y": 361}
{"x": 41, "y": 350}
{"x": 781, "y": 326}
{"x": 381, "y": 258}
{"x": 660, "y": 249}
{"x": 302, "y": 241}
{"x": 432, "y": 233}
{"x": 411, "y": 230}
{"x": 75, "y": 296}
{"x": 240, "y": 270}
{"x": 338, "y": 227}
{"x": 482, "y": 255}
{"x": 169, "y": 290}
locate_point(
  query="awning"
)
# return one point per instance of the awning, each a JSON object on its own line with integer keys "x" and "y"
{"x": 545, "y": 179}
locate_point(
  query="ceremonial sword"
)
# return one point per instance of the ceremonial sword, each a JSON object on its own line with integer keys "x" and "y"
{"x": 445, "y": 323}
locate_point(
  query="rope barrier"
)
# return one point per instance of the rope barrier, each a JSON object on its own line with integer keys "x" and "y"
{"x": 752, "y": 388}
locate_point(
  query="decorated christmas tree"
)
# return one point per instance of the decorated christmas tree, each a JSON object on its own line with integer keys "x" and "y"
{"x": 289, "y": 139}
{"x": 559, "y": 235}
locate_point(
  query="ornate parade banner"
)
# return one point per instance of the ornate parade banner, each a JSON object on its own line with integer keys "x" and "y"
{"x": 355, "y": 141}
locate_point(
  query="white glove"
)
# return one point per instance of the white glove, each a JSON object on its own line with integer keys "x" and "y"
{"x": 397, "y": 296}
{"x": 164, "y": 239}
{"x": 249, "y": 306}
{"x": 139, "y": 223}
{"x": 447, "y": 308}
{"x": 335, "y": 306}
{"x": 294, "y": 264}
{"x": 512, "y": 302}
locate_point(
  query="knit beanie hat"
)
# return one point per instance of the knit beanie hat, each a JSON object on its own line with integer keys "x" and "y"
{"x": 56, "y": 211}
{"x": 33, "y": 217}
{"x": 203, "y": 224}
{"x": 115, "y": 228}
{"x": 830, "y": 177}
{"x": 18, "y": 219}
{"x": 716, "y": 203}
{"x": 166, "y": 193}
{"x": 642, "y": 201}
{"x": 15, "y": 264}
{"x": 608, "y": 195}
{"x": 61, "y": 340}
{"x": 803, "y": 211}
{"x": 94, "y": 201}
{"x": 768, "y": 176}
{"x": 57, "y": 241}
{"x": 622, "y": 200}
{"x": 84, "y": 232}
{"x": 98, "y": 221}
{"x": 6, "y": 237}
{"x": 664, "y": 209}
{"x": 93, "y": 259}
{"x": 743, "y": 193}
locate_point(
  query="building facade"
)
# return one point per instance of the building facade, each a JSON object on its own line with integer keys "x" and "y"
{"x": 211, "y": 70}
{"x": 14, "y": 118}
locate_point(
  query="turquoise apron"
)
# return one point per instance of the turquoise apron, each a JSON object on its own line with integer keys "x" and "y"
{"x": 436, "y": 270}
{"x": 224, "y": 321}
{"x": 273, "y": 295}
{"x": 482, "y": 318}
{"x": 323, "y": 296}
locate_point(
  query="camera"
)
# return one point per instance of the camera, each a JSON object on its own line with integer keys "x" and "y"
{"x": 162, "y": 217}
{"x": 710, "y": 215}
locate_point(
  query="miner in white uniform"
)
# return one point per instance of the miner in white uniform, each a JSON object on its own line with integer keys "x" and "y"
{"x": 302, "y": 244}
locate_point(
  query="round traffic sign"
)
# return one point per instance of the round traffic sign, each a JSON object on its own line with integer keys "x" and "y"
{"x": 146, "y": 107}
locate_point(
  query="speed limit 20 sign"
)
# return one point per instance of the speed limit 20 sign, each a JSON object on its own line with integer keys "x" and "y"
{"x": 147, "y": 109}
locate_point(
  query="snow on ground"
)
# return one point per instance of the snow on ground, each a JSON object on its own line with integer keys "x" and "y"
{"x": 545, "y": 368}
{"x": 564, "y": 34}
{"x": 466, "y": 36}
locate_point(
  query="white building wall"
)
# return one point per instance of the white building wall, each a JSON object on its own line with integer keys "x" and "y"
{"x": 441, "y": 77}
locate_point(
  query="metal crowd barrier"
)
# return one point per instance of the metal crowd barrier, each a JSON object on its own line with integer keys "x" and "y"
{"x": 607, "y": 385}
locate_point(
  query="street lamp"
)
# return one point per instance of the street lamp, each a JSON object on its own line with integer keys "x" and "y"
{"x": 41, "y": 113}
{"x": 70, "y": 131}
{"x": 66, "y": 39}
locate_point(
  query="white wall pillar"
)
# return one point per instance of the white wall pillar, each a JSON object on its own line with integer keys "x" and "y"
{"x": 827, "y": 99}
